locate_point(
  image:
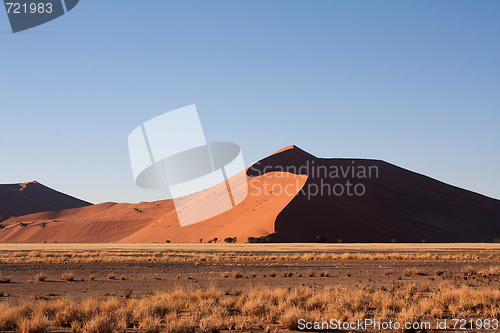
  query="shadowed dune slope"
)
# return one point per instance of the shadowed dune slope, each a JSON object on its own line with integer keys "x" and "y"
{"x": 32, "y": 197}
{"x": 397, "y": 204}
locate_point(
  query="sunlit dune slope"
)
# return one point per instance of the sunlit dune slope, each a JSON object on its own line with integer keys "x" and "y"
{"x": 156, "y": 222}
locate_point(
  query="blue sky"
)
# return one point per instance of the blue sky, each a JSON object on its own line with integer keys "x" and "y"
{"x": 415, "y": 83}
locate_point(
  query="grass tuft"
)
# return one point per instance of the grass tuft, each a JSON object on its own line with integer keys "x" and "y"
{"x": 68, "y": 276}
{"x": 41, "y": 277}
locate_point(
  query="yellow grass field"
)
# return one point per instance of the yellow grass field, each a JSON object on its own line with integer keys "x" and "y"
{"x": 248, "y": 287}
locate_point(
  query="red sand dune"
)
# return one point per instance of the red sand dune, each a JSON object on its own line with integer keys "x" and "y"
{"x": 33, "y": 197}
{"x": 155, "y": 222}
{"x": 398, "y": 205}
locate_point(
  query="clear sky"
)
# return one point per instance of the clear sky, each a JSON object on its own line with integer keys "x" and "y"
{"x": 414, "y": 83}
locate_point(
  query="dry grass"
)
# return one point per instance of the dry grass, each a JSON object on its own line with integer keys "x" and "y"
{"x": 222, "y": 254}
{"x": 324, "y": 274}
{"x": 211, "y": 310}
{"x": 40, "y": 277}
{"x": 262, "y": 309}
{"x": 100, "y": 324}
{"x": 5, "y": 279}
{"x": 127, "y": 293}
{"x": 413, "y": 272}
{"x": 68, "y": 276}
{"x": 439, "y": 272}
{"x": 150, "y": 324}
{"x": 37, "y": 324}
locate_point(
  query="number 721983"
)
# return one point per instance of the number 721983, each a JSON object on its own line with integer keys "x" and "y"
{"x": 32, "y": 8}
{"x": 464, "y": 324}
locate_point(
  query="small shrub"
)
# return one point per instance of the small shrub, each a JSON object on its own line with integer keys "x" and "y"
{"x": 212, "y": 324}
{"x": 290, "y": 318}
{"x": 230, "y": 240}
{"x": 37, "y": 324}
{"x": 262, "y": 239}
{"x": 438, "y": 272}
{"x": 4, "y": 279}
{"x": 321, "y": 238}
{"x": 179, "y": 325}
{"x": 99, "y": 324}
{"x": 34, "y": 254}
{"x": 413, "y": 271}
{"x": 127, "y": 293}
{"x": 68, "y": 276}
{"x": 468, "y": 271}
{"x": 40, "y": 277}
{"x": 150, "y": 325}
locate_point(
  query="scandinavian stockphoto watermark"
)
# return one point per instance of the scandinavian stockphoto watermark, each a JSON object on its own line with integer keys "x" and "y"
{"x": 346, "y": 179}
{"x": 203, "y": 179}
{"x": 26, "y": 14}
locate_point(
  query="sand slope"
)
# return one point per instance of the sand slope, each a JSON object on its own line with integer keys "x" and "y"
{"x": 154, "y": 222}
{"x": 31, "y": 197}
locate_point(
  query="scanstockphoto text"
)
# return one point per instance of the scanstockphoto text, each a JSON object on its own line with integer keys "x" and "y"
{"x": 332, "y": 180}
{"x": 455, "y": 324}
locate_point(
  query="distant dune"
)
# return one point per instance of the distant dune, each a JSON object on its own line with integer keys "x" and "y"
{"x": 396, "y": 205}
{"x": 32, "y": 197}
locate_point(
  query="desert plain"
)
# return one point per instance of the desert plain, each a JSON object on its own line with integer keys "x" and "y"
{"x": 213, "y": 287}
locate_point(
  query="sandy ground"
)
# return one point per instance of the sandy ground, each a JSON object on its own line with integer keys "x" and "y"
{"x": 144, "y": 278}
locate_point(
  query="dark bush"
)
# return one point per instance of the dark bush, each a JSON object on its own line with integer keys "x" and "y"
{"x": 321, "y": 238}
{"x": 262, "y": 239}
